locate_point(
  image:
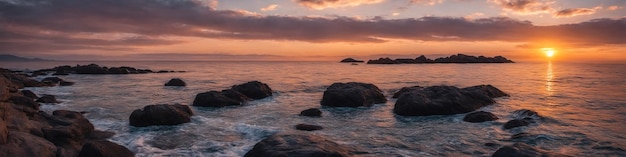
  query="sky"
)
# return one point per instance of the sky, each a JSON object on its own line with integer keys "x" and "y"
{"x": 521, "y": 30}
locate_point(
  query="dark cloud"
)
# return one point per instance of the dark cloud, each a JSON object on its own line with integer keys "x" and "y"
{"x": 575, "y": 12}
{"x": 525, "y": 6}
{"x": 30, "y": 25}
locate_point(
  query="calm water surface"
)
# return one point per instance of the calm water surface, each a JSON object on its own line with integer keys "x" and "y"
{"x": 583, "y": 105}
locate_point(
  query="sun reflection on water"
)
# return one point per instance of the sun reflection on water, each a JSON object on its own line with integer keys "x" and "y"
{"x": 549, "y": 80}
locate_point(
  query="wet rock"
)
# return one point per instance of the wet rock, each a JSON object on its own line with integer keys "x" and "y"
{"x": 24, "y": 101}
{"x": 352, "y": 94}
{"x": 66, "y": 83}
{"x": 516, "y": 123}
{"x": 100, "y": 135}
{"x": 216, "y": 99}
{"x": 298, "y": 145}
{"x": 254, "y": 89}
{"x": 308, "y": 127}
{"x": 47, "y": 99}
{"x": 162, "y": 114}
{"x": 25, "y": 144}
{"x": 441, "y": 100}
{"x": 68, "y": 138}
{"x": 525, "y": 113}
{"x": 52, "y": 80}
{"x": 488, "y": 90}
{"x": 104, "y": 148}
{"x": 176, "y": 82}
{"x": 235, "y": 95}
{"x": 30, "y": 94}
{"x": 406, "y": 90}
{"x": 312, "y": 112}
{"x": 524, "y": 150}
{"x": 480, "y": 116}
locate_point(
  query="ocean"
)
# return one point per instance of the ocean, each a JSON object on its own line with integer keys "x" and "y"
{"x": 583, "y": 106}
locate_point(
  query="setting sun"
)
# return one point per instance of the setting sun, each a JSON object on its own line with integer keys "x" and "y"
{"x": 549, "y": 52}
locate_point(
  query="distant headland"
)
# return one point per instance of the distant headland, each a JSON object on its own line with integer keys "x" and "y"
{"x": 458, "y": 58}
{"x": 6, "y": 57}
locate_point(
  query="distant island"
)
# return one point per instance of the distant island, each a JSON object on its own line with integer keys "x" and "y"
{"x": 459, "y": 58}
{"x": 6, "y": 57}
{"x": 351, "y": 60}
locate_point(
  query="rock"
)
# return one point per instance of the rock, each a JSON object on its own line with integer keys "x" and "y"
{"x": 459, "y": 58}
{"x": 298, "y": 145}
{"x": 525, "y": 113}
{"x": 5, "y": 88}
{"x": 440, "y": 100}
{"x": 69, "y": 135}
{"x": 52, "y": 80}
{"x": 405, "y": 90}
{"x": 516, "y": 123}
{"x": 308, "y": 127}
{"x": 488, "y": 90}
{"x": 349, "y": 60}
{"x": 254, "y": 89}
{"x": 25, "y": 144}
{"x": 176, "y": 82}
{"x": 30, "y": 94}
{"x": 66, "y": 83}
{"x": 104, "y": 148}
{"x": 480, "y": 116}
{"x": 90, "y": 69}
{"x": 100, "y": 135}
{"x": 4, "y": 132}
{"x": 47, "y": 99}
{"x": 382, "y": 61}
{"x": 352, "y": 94}
{"x": 312, "y": 112}
{"x": 235, "y": 95}
{"x": 24, "y": 101}
{"x": 524, "y": 150}
{"x": 215, "y": 99}
{"x": 162, "y": 114}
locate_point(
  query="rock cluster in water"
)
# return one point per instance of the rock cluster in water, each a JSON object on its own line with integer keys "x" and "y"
{"x": 444, "y": 100}
{"x": 26, "y": 131}
{"x": 95, "y": 69}
{"x": 352, "y": 94}
{"x": 351, "y": 60}
{"x": 459, "y": 58}
{"x": 236, "y": 95}
{"x": 161, "y": 114}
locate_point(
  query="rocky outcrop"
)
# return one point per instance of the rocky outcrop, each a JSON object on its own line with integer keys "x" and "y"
{"x": 524, "y": 150}
{"x": 480, "y": 116}
{"x": 176, "y": 82}
{"x": 30, "y": 94}
{"x": 298, "y": 145}
{"x": 308, "y": 127}
{"x": 516, "y": 123}
{"x": 161, "y": 114}
{"x": 237, "y": 95}
{"x": 405, "y": 90}
{"x": 312, "y": 112}
{"x": 97, "y": 69}
{"x": 459, "y": 58}
{"x": 50, "y": 99}
{"x": 103, "y": 148}
{"x": 351, "y": 60}
{"x": 352, "y": 94}
{"x": 444, "y": 100}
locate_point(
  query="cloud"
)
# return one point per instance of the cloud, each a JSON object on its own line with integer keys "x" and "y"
{"x": 474, "y": 15}
{"x": 270, "y": 7}
{"x": 50, "y": 25}
{"x": 575, "y": 12}
{"x": 525, "y": 6}
{"x": 325, "y": 4}
{"x": 426, "y": 2}
{"x": 614, "y": 7}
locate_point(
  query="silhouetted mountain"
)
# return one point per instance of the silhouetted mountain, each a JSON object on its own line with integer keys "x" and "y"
{"x": 5, "y": 57}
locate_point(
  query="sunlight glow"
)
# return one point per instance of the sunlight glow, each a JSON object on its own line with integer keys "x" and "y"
{"x": 549, "y": 52}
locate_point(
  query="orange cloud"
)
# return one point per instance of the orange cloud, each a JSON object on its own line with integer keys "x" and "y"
{"x": 426, "y": 2}
{"x": 270, "y": 7}
{"x": 576, "y": 12}
{"x": 325, "y": 4}
{"x": 614, "y": 7}
{"x": 525, "y": 6}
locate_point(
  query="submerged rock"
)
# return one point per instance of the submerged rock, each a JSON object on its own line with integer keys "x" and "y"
{"x": 176, "y": 82}
{"x": 298, "y": 145}
{"x": 161, "y": 114}
{"x": 524, "y": 150}
{"x": 312, "y": 112}
{"x": 104, "y": 148}
{"x": 444, "y": 100}
{"x": 308, "y": 127}
{"x": 352, "y": 94}
{"x": 48, "y": 99}
{"x": 480, "y": 116}
{"x": 254, "y": 89}
{"x": 516, "y": 123}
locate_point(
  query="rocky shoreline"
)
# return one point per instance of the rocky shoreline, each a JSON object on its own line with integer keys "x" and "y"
{"x": 458, "y": 58}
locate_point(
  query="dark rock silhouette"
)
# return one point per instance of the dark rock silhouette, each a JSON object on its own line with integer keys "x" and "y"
{"x": 480, "y": 116}
{"x": 24, "y": 101}
{"x": 176, "y": 82}
{"x": 350, "y": 60}
{"x": 308, "y": 127}
{"x": 312, "y": 112}
{"x": 104, "y": 148}
{"x": 217, "y": 99}
{"x": 443, "y": 100}
{"x": 526, "y": 113}
{"x": 298, "y": 145}
{"x": 161, "y": 114}
{"x": 47, "y": 99}
{"x": 352, "y": 94}
{"x": 254, "y": 89}
{"x": 66, "y": 83}
{"x": 52, "y": 80}
{"x": 30, "y": 94}
{"x": 516, "y": 123}
{"x": 524, "y": 150}
{"x": 405, "y": 90}
{"x": 97, "y": 69}
{"x": 459, "y": 58}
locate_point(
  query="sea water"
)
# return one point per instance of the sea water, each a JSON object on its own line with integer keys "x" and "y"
{"x": 583, "y": 107}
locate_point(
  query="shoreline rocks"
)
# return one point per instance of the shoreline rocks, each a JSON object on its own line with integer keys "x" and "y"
{"x": 301, "y": 145}
{"x": 161, "y": 114}
{"x": 458, "y": 58}
{"x": 351, "y": 60}
{"x": 445, "y": 100}
{"x": 96, "y": 69}
{"x": 352, "y": 94}
{"x": 237, "y": 95}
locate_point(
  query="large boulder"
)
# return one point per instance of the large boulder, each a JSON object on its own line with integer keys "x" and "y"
{"x": 443, "y": 100}
{"x": 480, "y": 116}
{"x": 219, "y": 99}
{"x": 69, "y": 131}
{"x": 104, "y": 148}
{"x": 524, "y": 150}
{"x": 298, "y": 145}
{"x": 30, "y": 94}
{"x": 25, "y": 144}
{"x": 176, "y": 82}
{"x": 516, "y": 123}
{"x": 24, "y": 101}
{"x": 162, "y": 114}
{"x": 352, "y": 94}
{"x": 47, "y": 99}
{"x": 406, "y": 90}
{"x": 312, "y": 112}
{"x": 488, "y": 90}
{"x": 254, "y": 89}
